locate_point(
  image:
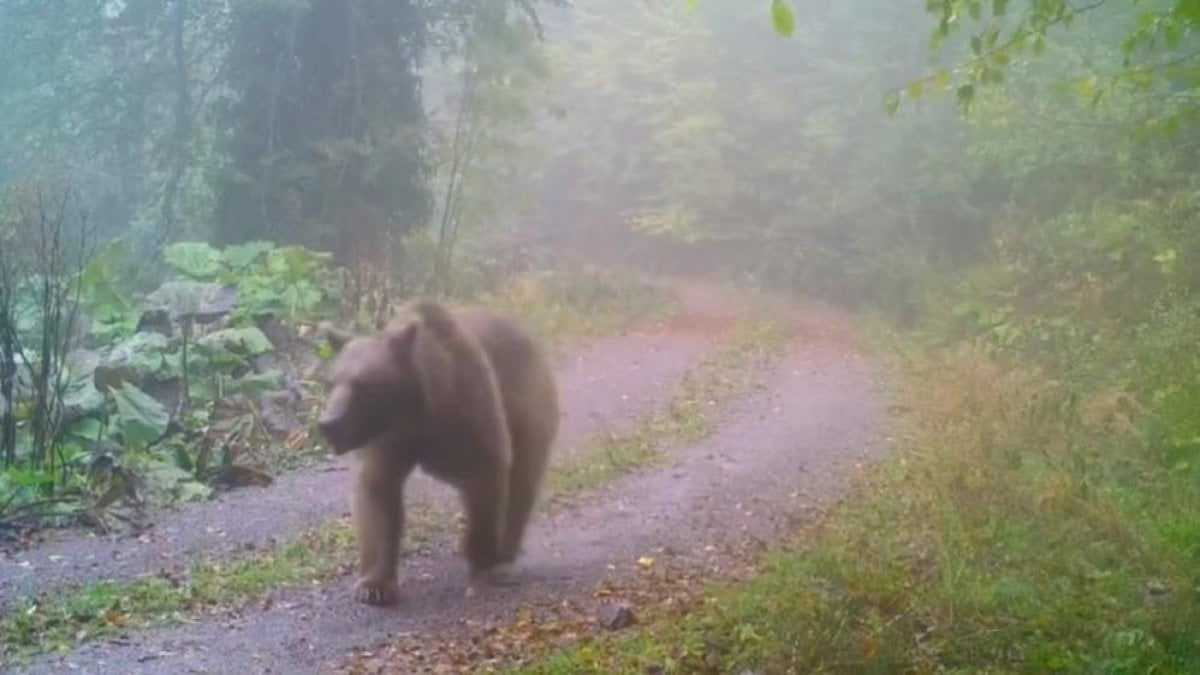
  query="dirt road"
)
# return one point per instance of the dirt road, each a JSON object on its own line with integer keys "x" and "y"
{"x": 786, "y": 447}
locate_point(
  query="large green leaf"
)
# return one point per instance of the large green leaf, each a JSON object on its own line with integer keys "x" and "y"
{"x": 196, "y": 260}
{"x": 247, "y": 341}
{"x": 27, "y": 308}
{"x": 87, "y": 428}
{"x": 242, "y": 256}
{"x": 140, "y": 356}
{"x": 141, "y": 419}
{"x": 80, "y": 395}
{"x": 168, "y": 480}
{"x": 103, "y": 285}
{"x": 293, "y": 263}
{"x": 256, "y": 384}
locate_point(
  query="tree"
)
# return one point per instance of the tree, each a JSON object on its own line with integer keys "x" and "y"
{"x": 1155, "y": 45}
{"x": 326, "y": 147}
{"x": 487, "y": 152}
{"x": 696, "y": 139}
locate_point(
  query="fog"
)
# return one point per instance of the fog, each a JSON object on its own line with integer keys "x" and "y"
{"x": 903, "y": 293}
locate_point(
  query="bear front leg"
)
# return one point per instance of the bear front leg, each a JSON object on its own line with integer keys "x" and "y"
{"x": 486, "y": 501}
{"x": 378, "y": 511}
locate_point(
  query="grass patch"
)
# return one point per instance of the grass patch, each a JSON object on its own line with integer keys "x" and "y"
{"x": 107, "y": 608}
{"x": 689, "y": 418}
{"x": 563, "y": 306}
{"x": 1023, "y": 527}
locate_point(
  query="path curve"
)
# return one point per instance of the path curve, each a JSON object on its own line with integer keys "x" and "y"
{"x": 789, "y": 446}
{"x": 604, "y": 386}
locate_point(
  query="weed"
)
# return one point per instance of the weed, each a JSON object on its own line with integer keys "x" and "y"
{"x": 563, "y": 306}
{"x": 97, "y": 610}
{"x": 1019, "y": 529}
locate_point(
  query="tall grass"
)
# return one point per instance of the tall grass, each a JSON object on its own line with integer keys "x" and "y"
{"x": 1025, "y": 526}
{"x": 563, "y": 306}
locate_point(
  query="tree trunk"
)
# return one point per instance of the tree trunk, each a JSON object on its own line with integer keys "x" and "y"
{"x": 182, "y": 134}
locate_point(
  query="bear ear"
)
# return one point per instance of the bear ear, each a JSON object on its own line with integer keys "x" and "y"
{"x": 336, "y": 338}
{"x": 401, "y": 341}
{"x": 427, "y": 359}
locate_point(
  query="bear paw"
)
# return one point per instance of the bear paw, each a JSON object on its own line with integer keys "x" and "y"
{"x": 372, "y": 592}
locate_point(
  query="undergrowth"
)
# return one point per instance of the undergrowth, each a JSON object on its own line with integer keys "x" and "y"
{"x": 562, "y": 306}
{"x": 101, "y": 609}
{"x": 1025, "y": 526}
{"x": 60, "y": 620}
{"x": 106, "y": 608}
{"x": 122, "y": 455}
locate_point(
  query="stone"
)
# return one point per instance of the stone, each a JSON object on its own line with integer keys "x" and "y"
{"x": 616, "y": 616}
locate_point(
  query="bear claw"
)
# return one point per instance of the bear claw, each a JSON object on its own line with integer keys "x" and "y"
{"x": 372, "y": 592}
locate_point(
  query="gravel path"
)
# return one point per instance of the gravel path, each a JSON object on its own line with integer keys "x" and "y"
{"x": 603, "y": 387}
{"x": 783, "y": 449}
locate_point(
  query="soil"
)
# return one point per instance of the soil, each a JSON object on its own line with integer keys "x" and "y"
{"x": 785, "y": 449}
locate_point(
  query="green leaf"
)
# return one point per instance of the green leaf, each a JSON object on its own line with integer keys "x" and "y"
{"x": 782, "y": 18}
{"x": 1189, "y": 9}
{"x": 891, "y": 102}
{"x": 242, "y": 256}
{"x": 141, "y": 419}
{"x": 182, "y": 459}
{"x": 256, "y": 384}
{"x": 965, "y": 94}
{"x": 88, "y": 428}
{"x": 143, "y": 351}
{"x": 169, "y": 479}
{"x": 101, "y": 286}
{"x": 196, "y": 260}
{"x": 81, "y": 396}
{"x": 295, "y": 262}
{"x": 941, "y": 79}
{"x": 183, "y": 299}
{"x": 990, "y": 36}
{"x": 1174, "y": 32}
{"x": 999, "y": 7}
{"x": 245, "y": 340}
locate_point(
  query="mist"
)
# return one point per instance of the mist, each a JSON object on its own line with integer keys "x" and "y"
{"x": 871, "y": 329}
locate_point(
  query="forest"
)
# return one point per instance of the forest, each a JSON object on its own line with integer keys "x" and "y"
{"x": 874, "y": 322}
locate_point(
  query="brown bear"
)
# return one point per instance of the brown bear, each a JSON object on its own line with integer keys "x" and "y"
{"x": 469, "y": 396}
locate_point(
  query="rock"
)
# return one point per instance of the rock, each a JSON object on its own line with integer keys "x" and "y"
{"x": 616, "y": 616}
{"x": 280, "y": 335}
{"x": 1156, "y": 592}
{"x": 142, "y": 361}
{"x": 168, "y": 392}
{"x": 278, "y": 411}
{"x": 204, "y": 303}
{"x": 156, "y": 320}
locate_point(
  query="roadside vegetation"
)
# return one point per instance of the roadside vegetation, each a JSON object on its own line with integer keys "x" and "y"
{"x": 211, "y": 379}
{"x": 1007, "y": 192}
{"x": 65, "y": 617}
{"x": 1037, "y": 316}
